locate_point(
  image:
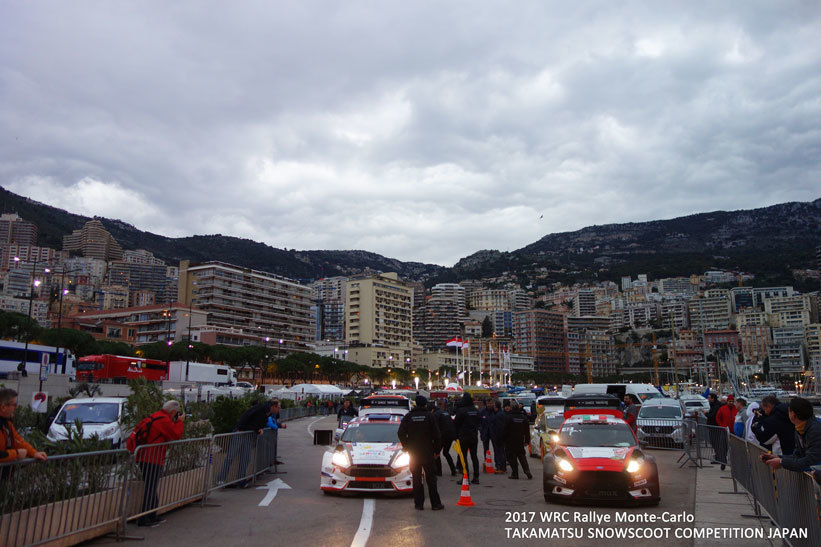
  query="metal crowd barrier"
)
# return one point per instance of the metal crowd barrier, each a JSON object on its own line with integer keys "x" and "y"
{"x": 96, "y": 493}
{"x": 792, "y": 500}
{"x": 712, "y": 444}
{"x": 79, "y": 495}
{"x": 668, "y": 434}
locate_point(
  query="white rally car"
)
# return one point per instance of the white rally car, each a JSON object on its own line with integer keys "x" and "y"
{"x": 368, "y": 458}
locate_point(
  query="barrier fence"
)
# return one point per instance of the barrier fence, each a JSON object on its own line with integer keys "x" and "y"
{"x": 77, "y": 497}
{"x": 790, "y": 499}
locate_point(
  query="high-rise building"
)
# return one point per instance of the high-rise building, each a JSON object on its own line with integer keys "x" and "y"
{"x": 490, "y": 300}
{"x": 329, "y": 308}
{"x": 436, "y": 322}
{"x": 595, "y": 347}
{"x": 674, "y": 314}
{"x": 791, "y": 311}
{"x": 141, "y": 277}
{"x": 93, "y": 240}
{"x": 711, "y": 312}
{"x": 788, "y": 352}
{"x": 252, "y": 302}
{"x": 626, "y": 283}
{"x": 27, "y": 254}
{"x": 141, "y": 256}
{"x": 762, "y": 293}
{"x": 454, "y": 292}
{"x": 755, "y": 342}
{"x": 14, "y": 229}
{"x": 542, "y": 334}
{"x": 379, "y": 321}
{"x": 584, "y": 303}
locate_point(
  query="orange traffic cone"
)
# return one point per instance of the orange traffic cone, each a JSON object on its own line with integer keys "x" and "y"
{"x": 489, "y": 463}
{"x": 464, "y": 497}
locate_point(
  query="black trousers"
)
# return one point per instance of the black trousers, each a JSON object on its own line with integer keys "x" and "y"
{"x": 446, "y": 453}
{"x": 516, "y": 456}
{"x": 151, "y": 476}
{"x": 470, "y": 445}
{"x": 417, "y": 468}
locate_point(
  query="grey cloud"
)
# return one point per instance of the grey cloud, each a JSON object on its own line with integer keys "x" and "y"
{"x": 422, "y": 131}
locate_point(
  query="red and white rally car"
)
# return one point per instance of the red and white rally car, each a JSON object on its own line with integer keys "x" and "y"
{"x": 595, "y": 456}
{"x": 368, "y": 458}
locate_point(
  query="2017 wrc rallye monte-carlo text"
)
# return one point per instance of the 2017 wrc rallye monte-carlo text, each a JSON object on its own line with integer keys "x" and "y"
{"x": 594, "y": 517}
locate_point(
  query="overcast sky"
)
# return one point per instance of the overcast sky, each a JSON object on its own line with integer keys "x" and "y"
{"x": 418, "y": 130}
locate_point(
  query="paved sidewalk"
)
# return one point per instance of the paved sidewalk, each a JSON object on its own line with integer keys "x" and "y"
{"x": 718, "y": 507}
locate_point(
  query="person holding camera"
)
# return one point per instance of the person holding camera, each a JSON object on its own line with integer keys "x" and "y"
{"x": 165, "y": 425}
{"x": 774, "y": 427}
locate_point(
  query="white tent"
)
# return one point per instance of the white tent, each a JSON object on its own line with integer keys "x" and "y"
{"x": 301, "y": 391}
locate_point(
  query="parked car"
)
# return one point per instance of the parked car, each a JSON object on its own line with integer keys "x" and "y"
{"x": 660, "y": 423}
{"x": 99, "y": 415}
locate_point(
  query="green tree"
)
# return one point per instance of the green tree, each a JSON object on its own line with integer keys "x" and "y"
{"x": 78, "y": 342}
{"x": 487, "y": 327}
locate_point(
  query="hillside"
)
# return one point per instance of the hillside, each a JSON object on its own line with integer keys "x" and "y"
{"x": 54, "y": 223}
{"x": 768, "y": 241}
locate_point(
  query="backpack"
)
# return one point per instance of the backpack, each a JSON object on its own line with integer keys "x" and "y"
{"x": 139, "y": 436}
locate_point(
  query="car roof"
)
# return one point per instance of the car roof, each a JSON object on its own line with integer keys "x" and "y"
{"x": 95, "y": 400}
{"x": 661, "y": 401}
{"x": 377, "y": 419}
{"x": 594, "y": 418}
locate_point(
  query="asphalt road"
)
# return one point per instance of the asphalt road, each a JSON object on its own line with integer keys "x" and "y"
{"x": 506, "y": 511}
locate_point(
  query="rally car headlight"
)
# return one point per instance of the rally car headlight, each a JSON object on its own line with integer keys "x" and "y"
{"x": 564, "y": 465}
{"x": 402, "y": 460}
{"x": 554, "y": 438}
{"x": 633, "y": 466}
{"x": 341, "y": 459}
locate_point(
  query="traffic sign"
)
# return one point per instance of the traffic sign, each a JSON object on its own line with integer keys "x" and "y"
{"x": 39, "y": 401}
{"x": 44, "y": 362}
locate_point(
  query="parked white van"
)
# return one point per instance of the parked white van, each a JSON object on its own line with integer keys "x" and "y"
{"x": 99, "y": 415}
{"x": 641, "y": 391}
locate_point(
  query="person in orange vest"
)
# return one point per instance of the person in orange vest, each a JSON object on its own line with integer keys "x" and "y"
{"x": 12, "y": 445}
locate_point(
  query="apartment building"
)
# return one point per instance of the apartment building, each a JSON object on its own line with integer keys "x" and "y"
{"x": 542, "y": 334}
{"x": 14, "y": 229}
{"x": 436, "y": 322}
{"x": 490, "y": 300}
{"x": 94, "y": 241}
{"x": 584, "y": 303}
{"x": 141, "y": 324}
{"x": 379, "y": 320}
{"x": 454, "y": 292}
{"x": 755, "y": 342}
{"x": 142, "y": 277}
{"x": 674, "y": 314}
{"x": 798, "y": 310}
{"x": 788, "y": 351}
{"x": 255, "y": 303}
{"x": 710, "y": 312}
{"x": 328, "y": 314}
{"x": 595, "y": 347}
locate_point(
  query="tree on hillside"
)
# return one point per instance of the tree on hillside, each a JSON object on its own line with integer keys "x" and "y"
{"x": 487, "y": 327}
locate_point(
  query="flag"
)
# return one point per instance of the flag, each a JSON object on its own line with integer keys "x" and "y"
{"x": 466, "y": 345}
{"x": 461, "y": 375}
{"x": 454, "y": 342}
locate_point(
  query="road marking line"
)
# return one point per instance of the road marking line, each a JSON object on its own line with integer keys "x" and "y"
{"x": 311, "y": 433}
{"x": 361, "y": 537}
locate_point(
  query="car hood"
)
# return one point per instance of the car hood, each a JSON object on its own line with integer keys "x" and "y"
{"x": 372, "y": 453}
{"x": 599, "y": 458}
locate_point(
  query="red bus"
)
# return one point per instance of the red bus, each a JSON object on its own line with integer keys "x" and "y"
{"x": 96, "y": 367}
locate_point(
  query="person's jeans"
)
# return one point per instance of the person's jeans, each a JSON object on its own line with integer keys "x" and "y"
{"x": 239, "y": 446}
{"x": 151, "y": 473}
{"x": 499, "y": 454}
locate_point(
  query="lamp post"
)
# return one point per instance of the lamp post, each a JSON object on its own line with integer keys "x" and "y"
{"x": 167, "y": 314}
{"x": 63, "y": 292}
{"x": 34, "y": 283}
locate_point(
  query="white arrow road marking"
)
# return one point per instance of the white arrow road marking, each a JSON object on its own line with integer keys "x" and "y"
{"x": 364, "y": 531}
{"x": 273, "y": 487}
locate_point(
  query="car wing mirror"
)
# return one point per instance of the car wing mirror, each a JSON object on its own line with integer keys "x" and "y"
{"x": 644, "y": 444}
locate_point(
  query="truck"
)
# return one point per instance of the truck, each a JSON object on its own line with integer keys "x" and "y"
{"x": 201, "y": 373}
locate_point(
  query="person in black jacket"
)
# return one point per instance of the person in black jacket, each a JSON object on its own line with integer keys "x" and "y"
{"x": 467, "y": 431}
{"x": 253, "y": 419}
{"x": 448, "y": 432}
{"x": 717, "y": 437}
{"x": 516, "y": 436}
{"x": 807, "y": 448}
{"x": 420, "y": 437}
{"x": 347, "y": 411}
{"x": 499, "y": 422}
{"x": 775, "y": 420}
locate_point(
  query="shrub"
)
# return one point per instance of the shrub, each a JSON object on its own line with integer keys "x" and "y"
{"x": 227, "y": 411}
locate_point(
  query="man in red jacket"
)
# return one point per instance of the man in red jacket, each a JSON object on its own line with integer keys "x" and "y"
{"x": 725, "y": 417}
{"x": 166, "y": 425}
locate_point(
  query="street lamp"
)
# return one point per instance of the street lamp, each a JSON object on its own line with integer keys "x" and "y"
{"x": 167, "y": 314}
{"x": 416, "y": 381}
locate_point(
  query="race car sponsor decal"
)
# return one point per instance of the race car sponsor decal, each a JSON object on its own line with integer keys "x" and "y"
{"x": 580, "y": 452}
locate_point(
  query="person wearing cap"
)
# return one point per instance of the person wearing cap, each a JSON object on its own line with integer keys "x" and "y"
{"x": 420, "y": 437}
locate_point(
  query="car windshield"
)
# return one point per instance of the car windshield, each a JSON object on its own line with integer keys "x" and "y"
{"x": 371, "y": 433}
{"x": 89, "y": 413}
{"x": 693, "y": 403}
{"x": 648, "y": 395}
{"x": 386, "y": 402}
{"x": 659, "y": 411}
{"x": 596, "y": 435}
